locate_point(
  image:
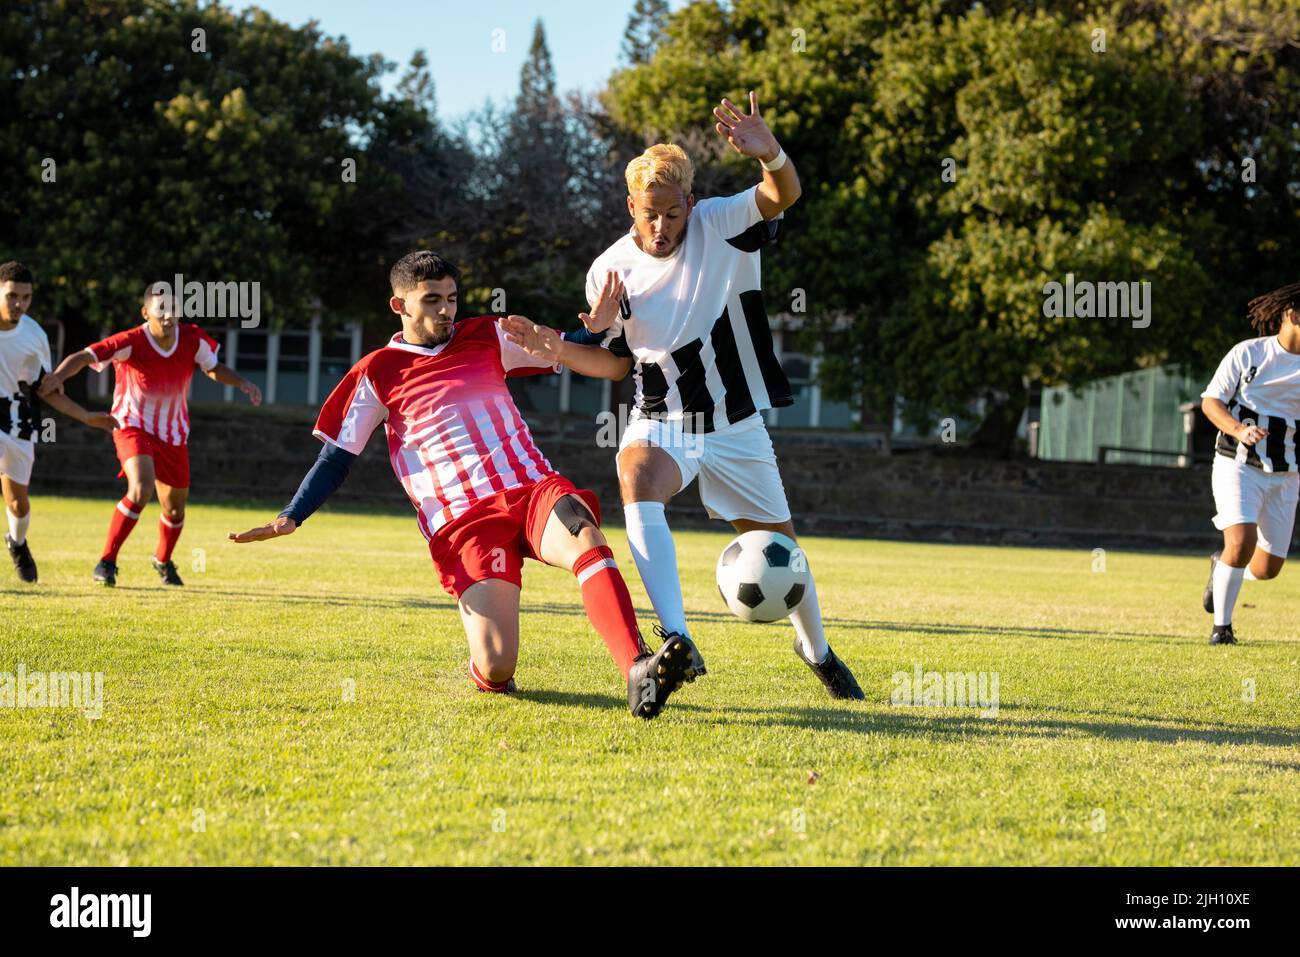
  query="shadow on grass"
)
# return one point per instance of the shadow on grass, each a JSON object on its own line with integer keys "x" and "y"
{"x": 645, "y": 615}
{"x": 572, "y": 699}
{"x": 897, "y": 722}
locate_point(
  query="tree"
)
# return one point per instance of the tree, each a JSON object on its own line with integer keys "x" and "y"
{"x": 646, "y": 29}
{"x": 185, "y": 138}
{"x": 958, "y": 157}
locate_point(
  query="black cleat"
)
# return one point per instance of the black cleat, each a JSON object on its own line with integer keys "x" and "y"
{"x": 106, "y": 573}
{"x": 834, "y": 674}
{"x": 697, "y": 660}
{"x": 654, "y": 677}
{"x": 1222, "y": 635}
{"x": 23, "y": 561}
{"x": 167, "y": 572}
{"x": 1207, "y": 596}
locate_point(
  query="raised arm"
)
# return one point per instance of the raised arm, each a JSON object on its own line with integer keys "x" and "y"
{"x": 749, "y": 135}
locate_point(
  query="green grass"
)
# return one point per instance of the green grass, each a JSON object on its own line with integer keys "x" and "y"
{"x": 224, "y": 703}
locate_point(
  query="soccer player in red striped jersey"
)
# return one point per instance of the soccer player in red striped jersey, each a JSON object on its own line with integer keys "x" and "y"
{"x": 485, "y": 497}
{"x": 153, "y": 364}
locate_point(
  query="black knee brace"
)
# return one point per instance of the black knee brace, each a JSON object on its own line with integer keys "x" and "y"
{"x": 574, "y": 515}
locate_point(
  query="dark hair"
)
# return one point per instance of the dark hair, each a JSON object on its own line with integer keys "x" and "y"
{"x": 14, "y": 271}
{"x": 1266, "y": 311}
{"x": 414, "y": 268}
{"x": 150, "y": 291}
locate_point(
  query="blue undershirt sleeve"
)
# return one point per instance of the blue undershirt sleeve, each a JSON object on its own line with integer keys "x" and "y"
{"x": 331, "y": 468}
{"x": 584, "y": 338}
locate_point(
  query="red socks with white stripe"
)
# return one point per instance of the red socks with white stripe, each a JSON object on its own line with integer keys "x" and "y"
{"x": 493, "y": 687}
{"x": 609, "y": 606}
{"x": 169, "y": 533}
{"x": 124, "y": 518}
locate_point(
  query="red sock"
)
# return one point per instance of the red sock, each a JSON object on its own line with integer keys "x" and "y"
{"x": 495, "y": 687}
{"x": 609, "y": 606}
{"x": 168, "y": 533}
{"x": 124, "y": 518}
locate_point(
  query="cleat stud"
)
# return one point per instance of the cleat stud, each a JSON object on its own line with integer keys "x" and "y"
{"x": 661, "y": 669}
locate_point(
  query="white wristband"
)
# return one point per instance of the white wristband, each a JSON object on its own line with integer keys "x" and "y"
{"x": 776, "y": 164}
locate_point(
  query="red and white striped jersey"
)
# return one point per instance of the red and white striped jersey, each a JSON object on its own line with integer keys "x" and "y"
{"x": 150, "y": 384}
{"x": 454, "y": 433}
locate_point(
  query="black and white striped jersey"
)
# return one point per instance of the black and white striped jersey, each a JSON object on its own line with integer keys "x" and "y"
{"x": 24, "y": 359}
{"x": 1259, "y": 381}
{"x": 694, "y": 321}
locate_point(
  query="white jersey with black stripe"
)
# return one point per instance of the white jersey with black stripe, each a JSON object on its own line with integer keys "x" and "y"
{"x": 24, "y": 359}
{"x": 694, "y": 321}
{"x": 1259, "y": 381}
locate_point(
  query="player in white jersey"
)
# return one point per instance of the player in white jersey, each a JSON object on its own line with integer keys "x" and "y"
{"x": 1254, "y": 400}
{"x": 695, "y": 334}
{"x": 24, "y": 360}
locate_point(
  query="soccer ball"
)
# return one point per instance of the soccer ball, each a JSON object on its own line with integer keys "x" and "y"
{"x": 763, "y": 576}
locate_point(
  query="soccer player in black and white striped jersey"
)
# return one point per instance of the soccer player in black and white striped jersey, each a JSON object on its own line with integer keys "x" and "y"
{"x": 695, "y": 334}
{"x": 1254, "y": 400}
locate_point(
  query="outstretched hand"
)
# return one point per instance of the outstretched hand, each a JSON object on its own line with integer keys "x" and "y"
{"x": 283, "y": 525}
{"x": 747, "y": 133}
{"x": 608, "y": 304}
{"x": 542, "y": 342}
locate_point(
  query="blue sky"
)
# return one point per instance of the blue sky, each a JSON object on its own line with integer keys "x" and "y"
{"x": 584, "y": 37}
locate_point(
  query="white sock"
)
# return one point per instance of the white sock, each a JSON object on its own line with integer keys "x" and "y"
{"x": 807, "y": 618}
{"x": 1250, "y": 576}
{"x": 18, "y": 526}
{"x": 1227, "y": 584}
{"x": 656, "y": 560}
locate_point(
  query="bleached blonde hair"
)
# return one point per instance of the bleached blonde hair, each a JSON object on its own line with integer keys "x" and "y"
{"x": 661, "y": 165}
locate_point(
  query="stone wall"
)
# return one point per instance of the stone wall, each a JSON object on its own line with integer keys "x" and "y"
{"x": 836, "y": 484}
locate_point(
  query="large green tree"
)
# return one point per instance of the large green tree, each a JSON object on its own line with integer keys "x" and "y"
{"x": 958, "y": 157}
{"x": 188, "y": 138}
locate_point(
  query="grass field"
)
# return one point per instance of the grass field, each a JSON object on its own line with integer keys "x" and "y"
{"x": 227, "y": 736}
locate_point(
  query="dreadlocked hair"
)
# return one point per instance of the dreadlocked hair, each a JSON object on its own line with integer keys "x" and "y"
{"x": 1266, "y": 311}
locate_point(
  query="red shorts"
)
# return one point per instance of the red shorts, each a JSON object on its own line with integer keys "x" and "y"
{"x": 494, "y": 537}
{"x": 171, "y": 463}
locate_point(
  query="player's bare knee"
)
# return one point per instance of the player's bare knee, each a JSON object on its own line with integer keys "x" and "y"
{"x": 1269, "y": 572}
{"x": 139, "y": 495}
{"x": 641, "y": 482}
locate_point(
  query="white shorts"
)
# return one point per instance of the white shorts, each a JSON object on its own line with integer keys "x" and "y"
{"x": 1246, "y": 495}
{"x": 736, "y": 466}
{"x": 16, "y": 458}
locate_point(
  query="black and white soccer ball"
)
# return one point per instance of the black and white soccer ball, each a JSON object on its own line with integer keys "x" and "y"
{"x": 763, "y": 576}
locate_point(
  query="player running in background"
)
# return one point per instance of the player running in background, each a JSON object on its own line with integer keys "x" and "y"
{"x": 153, "y": 364}
{"x": 694, "y": 331}
{"x": 484, "y": 496}
{"x": 1254, "y": 400}
{"x": 24, "y": 361}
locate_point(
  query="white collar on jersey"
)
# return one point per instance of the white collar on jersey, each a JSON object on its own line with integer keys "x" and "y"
{"x": 176, "y": 341}
{"x": 397, "y": 342}
{"x": 17, "y": 325}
